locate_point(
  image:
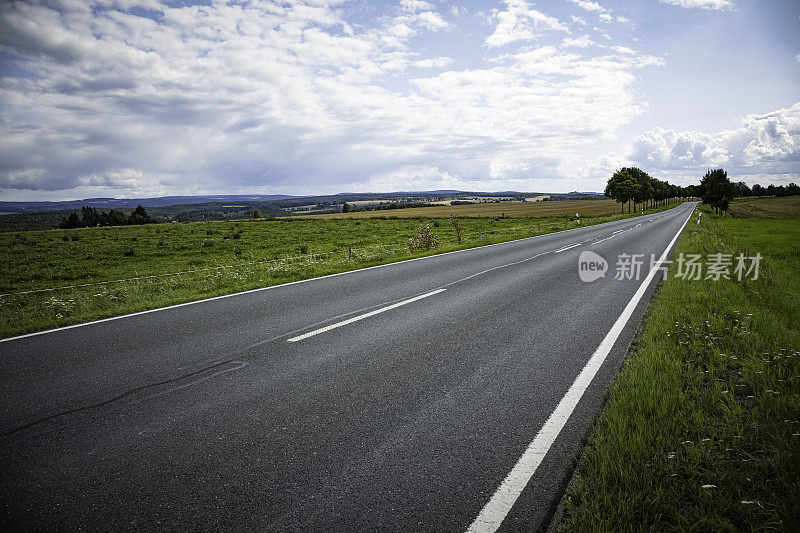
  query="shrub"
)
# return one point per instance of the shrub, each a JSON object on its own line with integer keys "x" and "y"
{"x": 24, "y": 240}
{"x": 208, "y": 242}
{"x": 129, "y": 252}
{"x": 424, "y": 239}
{"x": 75, "y": 237}
{"x": 65, "y": 238}
{"x": 457, "y": 227}
{"x": 161, "y": 243}
{"x": 237, "y": 251}
{"x": 303, "y": 248}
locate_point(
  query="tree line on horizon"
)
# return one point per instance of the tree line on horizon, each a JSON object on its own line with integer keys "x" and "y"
{"x": 91, "y": 217}
{"x": 631, "y": 185}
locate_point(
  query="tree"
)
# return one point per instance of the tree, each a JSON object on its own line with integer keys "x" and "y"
{"x": 257, "y": 213}
{"x": 717, "y": 190}
{"x": 742, "y": 189}
{"x": 140, "y": 216}
{"x": 114, "y": 217}
{"x": 621, "y": 187}
{"x": 645, "y": 190}
{"x": 90, "y": 216}
{"x": 346, "y": 208}
{"x": 71, "y": 222}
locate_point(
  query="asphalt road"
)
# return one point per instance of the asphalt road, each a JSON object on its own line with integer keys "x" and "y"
{"x": 227, "y": 415}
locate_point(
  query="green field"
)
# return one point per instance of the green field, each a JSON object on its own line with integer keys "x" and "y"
{"x": 701, "y": 431}
{"x": 499, "y": 209}
{"x": 101, "y": 272}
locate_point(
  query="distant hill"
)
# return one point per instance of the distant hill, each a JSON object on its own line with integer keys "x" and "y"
{"x": 122, "y": 203}
{"x": 25, "y": 216}
{"x": 41, "y": 220}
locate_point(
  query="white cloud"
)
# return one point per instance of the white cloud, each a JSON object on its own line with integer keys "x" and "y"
{"x": 703, "y": 4}
{"x": 578, "y": 42}
{"x": 435, "y": 62}
{"x": 458, "y": 11}
{"x": 764, "y": 144}
{"x": 603, "y": 13}
{"x": 589, "y": 6}
{"x": 223, "y": 98}
{"x": 412, "y": 6}
{"x": 431, "y": 20}
{"x": 520, "y": 22}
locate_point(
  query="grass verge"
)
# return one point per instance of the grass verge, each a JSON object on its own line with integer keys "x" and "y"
{"x": 102, "y": 272}
{"x": 701, "y": 431}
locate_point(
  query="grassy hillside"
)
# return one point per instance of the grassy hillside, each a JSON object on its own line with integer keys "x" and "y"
{"x": 702, "y": 428}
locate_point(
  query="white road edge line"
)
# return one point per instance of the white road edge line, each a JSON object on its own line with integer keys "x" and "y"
{"x": 495, "y": 511}
{"x": 567, "y": 248}
{"x": 307, "y": 280}
{"x": 362, "y": 317}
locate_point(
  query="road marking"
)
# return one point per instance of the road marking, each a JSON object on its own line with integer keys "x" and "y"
{"x": 362, "y": 317}
{"x": 495, "y": 511}
{"x": 618, "y": 232}
{"x": 604, "y": 240}
{"x": 567, "y": 248}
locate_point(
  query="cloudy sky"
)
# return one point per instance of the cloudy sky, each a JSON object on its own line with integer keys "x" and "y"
{"x": 133, "y": 98}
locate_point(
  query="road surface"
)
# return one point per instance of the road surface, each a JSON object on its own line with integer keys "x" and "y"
{"x": 398, "y": 397}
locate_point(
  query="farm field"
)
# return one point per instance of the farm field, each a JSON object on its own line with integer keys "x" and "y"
{"x": 780, "y": 207}
{"x": 702, "y": 428}
{"x": 566, "y": 208}
{"x": 58, "y": 277}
